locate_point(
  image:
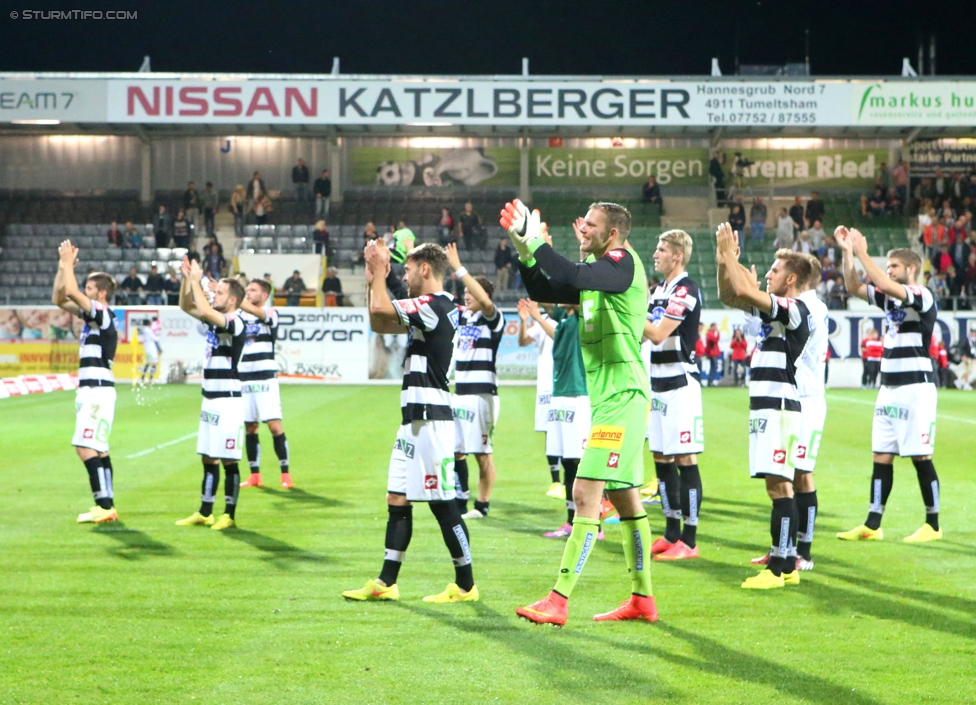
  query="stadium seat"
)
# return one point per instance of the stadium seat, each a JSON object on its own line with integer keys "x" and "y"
{"x": 283, "y": 231}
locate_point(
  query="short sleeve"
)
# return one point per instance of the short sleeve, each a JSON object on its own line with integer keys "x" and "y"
{"x": 497, "y": 323}
{"x": 876, "y": 297}
{"x": 418, "y": 312}
{"x": 789, "y": 312}
{"x": 272, "y": 316}
{"x": 98, "y": 315}
{"x": 919, "y": 298}
{"x": 680, "y": 303}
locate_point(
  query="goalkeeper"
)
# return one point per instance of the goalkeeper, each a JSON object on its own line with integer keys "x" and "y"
{"x": 611, "y": 291}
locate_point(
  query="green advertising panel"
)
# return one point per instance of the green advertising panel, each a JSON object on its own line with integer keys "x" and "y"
{"x": 437, "y": 167}
{"x": 826, "y": 168}
{"x": 561, "y": 166}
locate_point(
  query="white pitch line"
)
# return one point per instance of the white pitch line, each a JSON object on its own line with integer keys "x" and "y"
{"x": 161, "y": 445}
{"x": 958, "y": 419}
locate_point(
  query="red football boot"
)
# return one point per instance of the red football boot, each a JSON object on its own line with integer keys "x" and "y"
{"x": 660, "y": 546}
{"x": 762, "y": 560}
{"x": 678, "y": 551}
{"x": 552, "y": 609}
{"x": 637, "y": 607}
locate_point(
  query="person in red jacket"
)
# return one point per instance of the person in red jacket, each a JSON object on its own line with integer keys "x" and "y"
{"x": 739, "y": 345}
{"x": 872, "y": 348}
{"x": 714, "y": 354}
{"x": 940, "y": 359}
{"x": 700, "y": 348}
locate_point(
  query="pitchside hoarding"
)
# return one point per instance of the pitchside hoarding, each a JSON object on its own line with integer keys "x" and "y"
{"x": 614, "y": 102}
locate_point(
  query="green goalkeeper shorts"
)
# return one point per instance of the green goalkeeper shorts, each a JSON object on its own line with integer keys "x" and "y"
{"x": 615, "y": 449}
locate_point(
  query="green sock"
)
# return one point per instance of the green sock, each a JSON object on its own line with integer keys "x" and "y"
{"x": 577, "y": 550}
{"x": 637, "y": 546}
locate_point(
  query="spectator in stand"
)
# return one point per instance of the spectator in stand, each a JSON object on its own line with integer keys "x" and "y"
{"x": 796, "y": 215}
{"x": 181, "y": 230}
{"x": 899, "y": 177}
{"x": 214, "y": 262}
{"x": 714, "y": 354}
{"x": 132, "y": 286}
{"x": 940, "y": 361}
{"x": 940, "y": 289}
{"x": 154, "y": 287}
{"x": 874, "y": 206}
{"x": 323, "y": 194}
{"x": 837, "y": 295}
{"x": 214, "y": 241}
{"x": 940, "y": 185}
{"x": 136, "y": 241}
{"x": 829, "y": 249}
{"x": 162, "y": 228}
{"x": 970, "y": 275}
{"x": 958, "y": 239}
{"x": 827, "y": 271}
{"x": 651, "y": 193}
{"x": 884, "y": 176}
{"x": 955, "y": 283}
{"x": 294, "y": 287}
{"x": 255, "y": 189}
{"x": 267, "y": 278}
{"x": 320, "y": 240}
{"x": 445, "y": 229}
{"x": 238, "y": 208}
{"x": 784, "y": 231}
{"x": 803, "y": 244}
{"x": 209, "y": 201}
{"x": 815, "y": 209}
{"x": 470, "y": 229}
{"x": 172, "y": 288}
{"x": 946, "y": 211}
{"x": 872, "y": 348}
{"x": 894, "y": 204}
{"x": 262, "y": 206}
{"x": 700, "y": 348}
{"x": 757, "y": 220}
{"x": 717, "y": 176}
{"x": 737, "y": 219}
{"x": 129, "y": 233}
{"x": 926, "y": 229}
{"x": 943, "y": 260}
{"x": 739, "y": 347}
{"x": 505, "y": 259}
{"x": 191, "y": 204}
{"x": 369, "y": 234}
{"x": 816, "y": 232}
{"x": 455, "y": 287}
{"x": 115, "y": 236}
{"x": 192, "y": 253}
{"x": 332, "y": 287}
{"x": 299, "y": 179}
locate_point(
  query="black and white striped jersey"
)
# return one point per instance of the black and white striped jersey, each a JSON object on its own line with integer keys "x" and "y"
{"x": 673, "y": 361}
{"x": 781, "y": 341}
{"x": 811, "y": 367}
{"x": 96, "y": 354}
{"x": 224, "y": 348}
{"x": 258, "y": 360}
{"x": 431, "y": 320}
{"x": 475, "y": 352}
{"x": 908, "y": 334}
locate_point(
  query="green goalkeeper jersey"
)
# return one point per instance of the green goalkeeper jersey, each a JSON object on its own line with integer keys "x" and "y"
{"x": 568, "y": 372}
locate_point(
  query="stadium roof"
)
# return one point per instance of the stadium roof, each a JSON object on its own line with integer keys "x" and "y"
{"x": 336, "y": 104}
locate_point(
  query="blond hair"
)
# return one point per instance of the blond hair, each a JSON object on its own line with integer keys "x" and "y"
{"x": 678, "y": 241}
{"x": 797, "y": 264}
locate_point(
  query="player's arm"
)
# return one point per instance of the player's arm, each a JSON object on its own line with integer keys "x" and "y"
{"x": 474, "y": 288}
{"x": 738, "y": 283}
{"x": 58, "y": 297}
{"x": 383, "y": 315}
{"x": 881, "y": 281}
{"x": 68, "y": 290}
{"x": 186, "y": 292}
{"x": 852, "y": 281}
{"x": 206, "y": 312}
{"x": 545, "y": 325}
{"x": 524, "y": 337}
{"x": 255, "y": 311}
{"x": 658, "y": 332}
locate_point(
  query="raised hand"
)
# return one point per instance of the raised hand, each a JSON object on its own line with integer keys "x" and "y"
{"x": 523, "y": 309}
{"x": 195, "y": 271}
{"x": 858, "y": 243}
{"x": 578, "y": 229}
{"x": 514, "y": 216}
{"x": 68, "y": 254}
{"x": 533, "y": 308}
{"x": 452, "y": 256}
{"x": 726, "y": 242}
{"x": 185, "y": 267}
{"x": 843, "y": 237}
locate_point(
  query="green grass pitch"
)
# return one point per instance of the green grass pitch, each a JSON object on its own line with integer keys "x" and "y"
{"x": 147, "y": 612}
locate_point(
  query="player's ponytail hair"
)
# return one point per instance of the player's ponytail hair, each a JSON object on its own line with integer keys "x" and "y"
{"x": 103, "y": 282}
{"x": 907, "y": 257}
{"x": 796, "y": 263}
{"x": 678, "y": 241}
{"x": 617, "y": 217}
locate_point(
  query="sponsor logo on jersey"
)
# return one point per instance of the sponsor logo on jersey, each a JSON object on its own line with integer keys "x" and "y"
{"x": 484, "y": 439}
{"x": 255, "y": 388}
{"x": 230, "y": 444}
{"x": 88, "y": 433}
{"x": 657, "y": 313}
{"x": 562, "y": 415}
{"x": 453, "y": 316}
{"x": 406, "y": 448}
{"x": 676, "y": 308}
{"x": 210, "y": 418}
{"x": 464, "y": 415}
{"x": 801, "y": 452}
{"x": 613, "y": 460}
{"x": 779, "y": 457}
{"x": 782, "y": 302}
{"x": 543, "y": 399}
{"x": 684, "y": 437}
{"x": 611, "y": 437}
{"x": 468, "y": 336}
{"x": 658, "y": 405}
{"x": 430, "y": 482}
{"x": 681, "y": 292}
{"x": 616, "y": 255}
{"x": 757, "y": 425}
{"x": 892, "y": 412}
{"x": 408, "y": 306}
{"x": 925, "y": 439}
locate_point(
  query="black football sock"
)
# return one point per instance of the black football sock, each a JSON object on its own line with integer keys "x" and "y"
{"x": 109, "y": 481}
{"x": 481, "y": 506}
{"x": 553, "y": 467}
{"x": 928, "y": 482}
{"x": 281, "y": 450}
{"x": 570, "y": 466}
{"x": 881, "y": 481}
{"x": 670, "y": 488}
{"x": 691, "y": 496}
{"x": 806, "y": 507}
{"x": 399, "y": 529}
{"x": 99, "y": 483}
{"x": 462, "y": 494}
{"x": 211, "y": 479}
{"x": 253, "y": 446}
{"x": 232, "y": 485}
{"x": 782, "y": 529}
{"x": 455, "y": 535}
